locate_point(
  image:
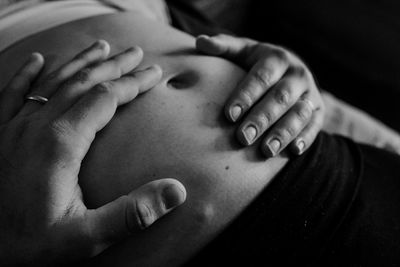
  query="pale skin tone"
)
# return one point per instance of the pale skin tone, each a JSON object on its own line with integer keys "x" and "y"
{"x": 250, "y": 114}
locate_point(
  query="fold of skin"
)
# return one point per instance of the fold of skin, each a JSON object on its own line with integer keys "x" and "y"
{"x": 175, "y": 130}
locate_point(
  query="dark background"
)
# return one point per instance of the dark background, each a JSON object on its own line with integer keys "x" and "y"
{"x": 352, "y": 46}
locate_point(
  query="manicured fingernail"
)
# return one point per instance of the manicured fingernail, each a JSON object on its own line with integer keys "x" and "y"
{"x": 173, "y": 195}
{"x": 300, "y": 146}
{"x": 235, "y": 112}
{"x": 250, "y": 133}
{"x": 274, "y": 145}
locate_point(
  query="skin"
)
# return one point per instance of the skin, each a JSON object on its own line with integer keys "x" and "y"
{"x": 278, "y": 100}
{"x": 176, "y": 130}
{"x": 42, "y": 146}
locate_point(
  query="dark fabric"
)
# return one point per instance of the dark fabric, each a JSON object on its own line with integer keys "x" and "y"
{"x": 370, "y": 234}
{"x": 336, "y": 205}
{"x": 351, "y": 46}
{"x": 188, "y": 18}
{"x": 339, "y": 203}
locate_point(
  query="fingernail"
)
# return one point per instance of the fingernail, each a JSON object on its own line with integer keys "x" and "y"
{"x": 154, "y": 69}
{"x": 235, "y": 112}
{"x": 204, "y": 36}
{"x": 173, "y": 196}
{"x": 134, "y": 49}
{"x": 274, "y": 145}
{"x": 300, "y": 146}
{"x": 130, "y": 49}
{"x": 250, "y": 133}
{"x": 100, "y": 44}
{"x": 35, "y": 56}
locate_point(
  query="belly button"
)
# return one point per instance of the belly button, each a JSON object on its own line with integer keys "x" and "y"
{"x": 183, "y": 80}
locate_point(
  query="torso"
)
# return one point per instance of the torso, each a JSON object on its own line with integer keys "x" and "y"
{"x": 167, "y": 132}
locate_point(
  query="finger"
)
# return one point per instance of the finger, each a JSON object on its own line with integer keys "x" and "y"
{"x": 134, "y": 212}
{"x": 96, "y": 108}
{"x": 273, "y": 106}
{"x": 94, "y": 54}
{"x": 240, "y": 50}
{"x": 87, "y": 78}
{"x": 12, "y": 96}
{"x": 265, "y": 73}
{"x": 307, "y": 136}
{"x": 287, "y": 128}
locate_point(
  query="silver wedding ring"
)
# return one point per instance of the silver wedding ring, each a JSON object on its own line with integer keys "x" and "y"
{"x": 37, "y": 98}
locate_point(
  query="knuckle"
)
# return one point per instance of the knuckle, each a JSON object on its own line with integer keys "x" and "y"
{"x": 104, "y": 91}
{"x": 283, "y": 95}
{"x": 103, "y": 88}
{"x": 281, "y": 54}
{"x": 83, "y": 75}
{"x": 13, "y": 88}
{"x": 117, "y": 70}
{"x": 54, "y": 77}
{"x": 142, "y": 214}
{"x": 247, "y": 98}
{"x": 286, "y": 134}
{"x": 263, "y": 77}
{"x": 263, "y": 120}
{"x": 304, "y": 112}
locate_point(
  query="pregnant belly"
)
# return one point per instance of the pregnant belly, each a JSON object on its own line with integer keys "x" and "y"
{"x": 175, "y": 130}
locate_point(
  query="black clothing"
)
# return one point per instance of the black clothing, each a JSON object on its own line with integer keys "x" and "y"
{"x": 336, "y": 205}
{"x": 351, "y": 46}
{"x": 190, "y": 20}
{"x": 339, "y": 203}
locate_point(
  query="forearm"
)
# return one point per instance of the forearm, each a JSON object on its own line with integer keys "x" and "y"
{"x": 344, "y": 119}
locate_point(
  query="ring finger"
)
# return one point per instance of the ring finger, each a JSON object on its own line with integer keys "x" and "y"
{"x": 11, "y": 98}
{"x": 93, "y": 54}
{"x": 84, "y": 80}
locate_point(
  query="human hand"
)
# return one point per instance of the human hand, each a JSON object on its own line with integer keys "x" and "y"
{"x": 277, "y": 101}
{"x": 43, "y": 218}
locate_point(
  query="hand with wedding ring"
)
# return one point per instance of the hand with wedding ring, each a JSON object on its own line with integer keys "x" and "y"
{"x": 278, "y": 101}
{"x": 43, "y": 140}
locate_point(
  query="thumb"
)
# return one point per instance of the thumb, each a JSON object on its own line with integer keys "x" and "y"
{"x": 134, "y": 212}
